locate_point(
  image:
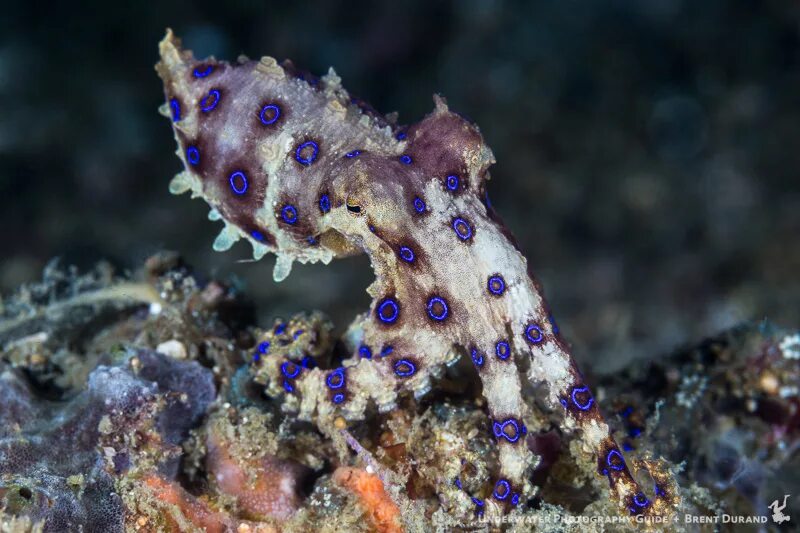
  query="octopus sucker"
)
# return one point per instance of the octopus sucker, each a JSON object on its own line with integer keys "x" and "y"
{"x": 296, "y": 166}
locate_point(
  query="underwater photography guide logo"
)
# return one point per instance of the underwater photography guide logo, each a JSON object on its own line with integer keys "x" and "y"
{"x": 777, "y": 511}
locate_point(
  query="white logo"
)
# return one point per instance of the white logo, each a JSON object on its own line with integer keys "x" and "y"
{"x": 777, "y": 511}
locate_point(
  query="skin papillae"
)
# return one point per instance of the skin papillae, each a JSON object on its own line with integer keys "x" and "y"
{"x": 298, "y": 168}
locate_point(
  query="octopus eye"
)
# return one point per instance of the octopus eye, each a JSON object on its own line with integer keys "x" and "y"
{"x": 352, "y": 206}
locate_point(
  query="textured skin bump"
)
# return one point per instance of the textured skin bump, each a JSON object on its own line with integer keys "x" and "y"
{"x": 328, "y": 177}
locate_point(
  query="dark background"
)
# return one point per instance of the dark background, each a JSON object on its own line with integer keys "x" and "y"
{"x": 647, "y": 150}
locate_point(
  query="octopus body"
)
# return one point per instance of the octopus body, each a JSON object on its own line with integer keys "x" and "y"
{"x": 298, "y": 168}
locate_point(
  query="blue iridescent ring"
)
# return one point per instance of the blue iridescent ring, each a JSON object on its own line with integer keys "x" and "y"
{"x": 335, "y": 380}
{"x": 203, "y": 73}
{"x": 210, "y": 101}
{"x": 264, "y": 347}
{"x": 175, "y": 106}
{"x": 452, "y": 182}
{"x": 499, "y": 429}
{"x": 269, "y": 114}
{"x": 496, "y": 285}
{"x": 587, "y": 404}
{"x": 324, "y": 203}
{"x": 298, "y": 153}
{"x": 288, "y": 386}
{"x": 338, "y": 398}
{"x": 406, "y": 159}
{"x": 442, "y": 311}
{"x": 193, "y": 155}
{"x": 406, "y": 254}
{"x": 502, "y": 489}
{"x": 238, "y": 182}
{"x": 354, "y": 153}
{"x": 419, "y": 205}
{"x": 462, "y": 228}
{"x": 387, "y": 350}
{"x": 533, "y": 333}
{"x": 290, "y": 370}
{"x": 477, "y": 358}
{"x": 388, "y": 311}
{"x": 515, "y": 499}
{"x": 404, "y": 368}
{"x": 289, "y": 214}
{"x": 640, "y": 499}
{"x": 502, "y": 350}
{"x": 364, "y": 352}
{"x": 615, "y": 460}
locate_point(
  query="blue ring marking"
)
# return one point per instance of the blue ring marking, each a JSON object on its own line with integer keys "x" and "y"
{"x": 634, "y": 432}
{"x": 477, "y": 501}
{"x": 581, "y": 390}
{"x": 241, "y": 189}
{"x": 280, "y": 328}
{"x": 406, "y": 254}
{"x": 419, "y": 205}
{"x": 406, "y": 159}
{"x": 477, "y": 358}
{"x": 457, "y": 483}
{"x": 364, "y": 352}
{"x": 640, "y": 499}
{"x": 658, "y": 490}
{"x": 496, "y": 285}
{"x": 276, "y": 114}
{"x": 256, "y": 357}
{"x": 452, "y": 182}
{"x": 524, "y": 429}
{"x": 400, "y": 135}
{"x": 297, "y": 333}
{"x": 505, "y": 485}
{"x": 390, "y": 305}
{"x": 625, "y": 413}
{"x": 462, "y": 228}
{"x": 531, "y": 337}
{"x": 502, "y": 350}
{"x": 193, "y": 155}
{"x": 335, "y": 380}
{"x": 515, "y": 499}
{"x": 616, "y": 466}
{"x": 308, "y": 362}
{"x": 288, "y": 386}
{"x": 264, "y": 347}
{"x": 354, "y": 153}
{"x": 338, "y": 398}
{"x": 290, "y": 370}
{"x": 257, "y": 235}
{"x": 289, "y": 214}
{"x": 387, "y": 350}
{"x": 499, "y": 429}
{"x": 404, "y": 368}
{"x": 563, "y": 402}
{"x": 206, "y": 105}
{"x": 444, "y": 312}
{"x": 204, "y": 73}
{"x": 324, "y": 203}
{"x": 175, "y": 106}
{"x": 306, "y": 160}
{"x": 627, "y": 447}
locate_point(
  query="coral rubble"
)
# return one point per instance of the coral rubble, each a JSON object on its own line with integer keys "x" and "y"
{"x": 136, "y": 405}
